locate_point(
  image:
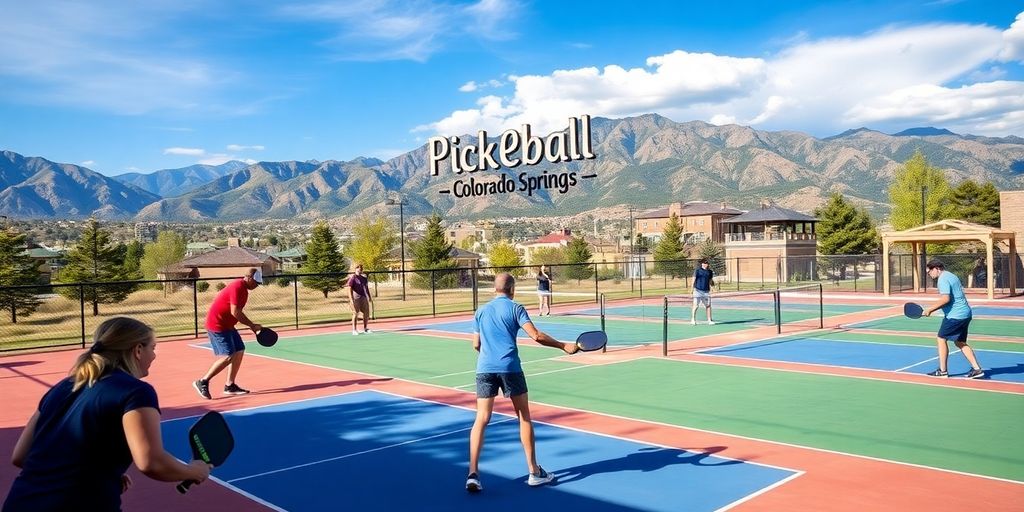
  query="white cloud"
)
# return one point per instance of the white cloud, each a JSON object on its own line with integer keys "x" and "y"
{"x": 185, "y": 151}
{"x": 469, "y": 86}
{"x": 944, "y": 73}
{"x": 87, "y": 163}
{"x": 472, "y": 86}
{"x": 1013, "y": 40}
{"x": 235, "y": 148}
{"x": 413, "y": 30}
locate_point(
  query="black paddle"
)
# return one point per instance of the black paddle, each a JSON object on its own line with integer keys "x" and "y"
{"x": 591, "y": 340}
{"x": 266, "y": 337}
{"x": 211, "y": 442}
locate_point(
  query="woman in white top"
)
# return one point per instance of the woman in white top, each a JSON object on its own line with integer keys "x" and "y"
{"x": 544, "y": 289}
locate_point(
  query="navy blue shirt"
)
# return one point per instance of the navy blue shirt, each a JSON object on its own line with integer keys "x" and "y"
{"x": 498, "y": 323}
{"x": 543, "y": 283}
{"x": 702, "y": 279}
{"x": 79, "y": 450}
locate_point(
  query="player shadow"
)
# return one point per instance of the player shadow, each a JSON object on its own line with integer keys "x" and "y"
{"x": 1005, "y": 370}
{"x": 645, "y": 459}
{"x": 322, "y": 385}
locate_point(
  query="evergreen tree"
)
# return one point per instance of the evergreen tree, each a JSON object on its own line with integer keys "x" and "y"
{"x": 711, "y": 251}
{"x": 168, "y": 249}
{"x": 323, "y": 256}
{"x": 94, "y": 259}
{"x": 433, "y": 252}
{"x": 578, "y": 254}
{"x": 504, "y": 258}
{"x": 133, "y": 257}
{"x": 669, "y": 255}
{"x": 977, "y": 203}
{"x": 373, "y": 240}
{"x": 905, "y": 194}
{"x": 17, "y": 268}
{"x": 844, "y": 228}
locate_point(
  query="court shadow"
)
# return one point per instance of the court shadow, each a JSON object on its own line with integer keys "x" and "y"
{"x": 15, "y": 364}
{"x": 322, "y": 385}
{"x": 1016, "y": 369}
{"x": 645, "y": 460}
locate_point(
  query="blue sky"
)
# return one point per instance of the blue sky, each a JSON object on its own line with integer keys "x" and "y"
{"x": 122, "y": 86}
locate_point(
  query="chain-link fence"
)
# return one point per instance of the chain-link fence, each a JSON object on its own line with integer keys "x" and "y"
{"x": 67, "y": 314}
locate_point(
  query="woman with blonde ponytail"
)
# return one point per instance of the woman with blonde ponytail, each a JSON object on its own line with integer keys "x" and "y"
{"x": 92, "y": 425}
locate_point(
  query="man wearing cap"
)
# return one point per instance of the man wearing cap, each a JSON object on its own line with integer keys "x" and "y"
{"x": 224, "y": 314}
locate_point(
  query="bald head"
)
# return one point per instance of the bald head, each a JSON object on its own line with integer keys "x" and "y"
{"x": 504, "y": 283}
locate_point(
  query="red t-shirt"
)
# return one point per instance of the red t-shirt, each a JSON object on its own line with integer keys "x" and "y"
{"x": 219, "y": 319}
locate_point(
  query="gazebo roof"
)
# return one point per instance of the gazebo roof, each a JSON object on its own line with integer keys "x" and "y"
{"x": 948, "y": 230}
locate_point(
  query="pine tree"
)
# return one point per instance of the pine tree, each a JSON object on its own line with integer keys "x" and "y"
{"x": 669, "y": 254}
{"x": 95, "y": 259}
{"x": 133, "y": 257}
{"x": 977, "y": 203}
{"x": 323, "y": 256}
{"x": 578, "y": 254}
{"x": 711, "y": 251}
{"x": 504, "y": 258}
{"x": 433, "y": 252}
{"x": 845, "y": 229}
{"x": 17, "y": 268}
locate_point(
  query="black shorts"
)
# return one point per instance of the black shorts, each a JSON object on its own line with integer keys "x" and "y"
{"x": 954, "y": 329}
{"x": 511, "y": 384}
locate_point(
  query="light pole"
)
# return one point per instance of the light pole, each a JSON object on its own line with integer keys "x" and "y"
{"x": 924, "y": 246}
{"x": 629, "y": 264}
{"x": 401, "y": 220}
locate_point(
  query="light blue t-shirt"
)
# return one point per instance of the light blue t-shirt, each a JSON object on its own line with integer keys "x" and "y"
{"x": 957, "y": 306}
{"x": 498, "y": 323}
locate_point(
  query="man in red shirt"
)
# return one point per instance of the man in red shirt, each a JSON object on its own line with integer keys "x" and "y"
{"x": 224, "y": 314}
{"x": 361, "y": 300}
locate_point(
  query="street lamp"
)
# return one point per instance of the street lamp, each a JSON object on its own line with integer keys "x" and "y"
{"x": 924, "y": 246}
{"x": 401, "y": 216}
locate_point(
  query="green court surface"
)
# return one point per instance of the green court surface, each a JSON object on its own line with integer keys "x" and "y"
{"x": 958, "y": 429}
{"x": 632, "y": 332}
{"x": 987, "y": 326}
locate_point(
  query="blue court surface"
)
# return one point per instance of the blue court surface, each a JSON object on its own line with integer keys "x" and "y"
{"x": 998, "y": 365}
{"x": 997, "y": 311}
{"x": 376, "y": 451}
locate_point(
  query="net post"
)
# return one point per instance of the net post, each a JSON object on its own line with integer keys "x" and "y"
{"x": 778, "y": 311}
{"x": 821, "y": 307}
{"x": 601, "y": 309}
{"x": 195, "y": 304}
{"x": 664, "y": 327}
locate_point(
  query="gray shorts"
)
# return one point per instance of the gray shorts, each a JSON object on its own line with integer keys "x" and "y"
{"x": 701, "y": 297}
{"x": 511, "y": 384}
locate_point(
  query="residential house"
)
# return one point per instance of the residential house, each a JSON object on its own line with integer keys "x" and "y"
{"x": 554, "y": 240}
{"x": 770, "y": 243}
{"x": 700, "y": 220}
{"x": 221, "y": 265}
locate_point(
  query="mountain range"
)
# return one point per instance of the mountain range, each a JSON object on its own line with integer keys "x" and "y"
{"x": 646, "y": 161}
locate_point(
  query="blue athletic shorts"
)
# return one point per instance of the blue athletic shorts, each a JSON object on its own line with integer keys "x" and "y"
{"x": 954, "y": 329}
{"x": 226, "y": 343}
{"x": 511, "y": 384}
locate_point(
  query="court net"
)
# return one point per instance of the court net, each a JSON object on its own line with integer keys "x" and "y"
{"x": 800, "y": 307}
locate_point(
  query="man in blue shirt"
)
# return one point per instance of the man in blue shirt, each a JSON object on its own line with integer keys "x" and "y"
{"x": 496, "y": 326}
{"x": 703, "y": 278}
{"x": 957, "y": 313}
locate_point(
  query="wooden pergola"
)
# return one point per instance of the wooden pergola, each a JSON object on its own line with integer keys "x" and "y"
{"x": 950, "y": 230}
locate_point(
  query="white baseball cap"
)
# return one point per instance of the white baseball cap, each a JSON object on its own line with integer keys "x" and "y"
{"x": 258, "y": 276}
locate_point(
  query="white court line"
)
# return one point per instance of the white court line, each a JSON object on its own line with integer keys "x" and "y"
{"x": 762, "y": 491}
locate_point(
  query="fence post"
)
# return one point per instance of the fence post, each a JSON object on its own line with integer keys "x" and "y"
{"x": 81, "y": 305}
{"x": 195, "y": 304}
{"x": 597, "y": 293}
{"x": 433, "y": 294}
{"x": 476, "y": 290}
{"x": 295, "y": 289}
{"x": 642, "y": 263}
{"x": 778, "y": 311}
{"x": 821, "y": 307}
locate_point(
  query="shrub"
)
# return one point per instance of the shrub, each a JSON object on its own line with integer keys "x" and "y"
{"x": 202, "y": 286}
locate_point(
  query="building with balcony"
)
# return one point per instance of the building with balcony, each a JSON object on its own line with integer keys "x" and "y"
{"x": 770, "y": 243}
{"x": 700, "y": 221}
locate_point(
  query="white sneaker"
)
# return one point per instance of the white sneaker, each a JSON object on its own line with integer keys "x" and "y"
{"x": 711, "y": 322}
{"x": 355, "y": 333}
{"x": 473, "y": 483}
{"x": 693, "y": 322}
{"x": 367, "y": 331}
{"x": 541, "y": 478}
